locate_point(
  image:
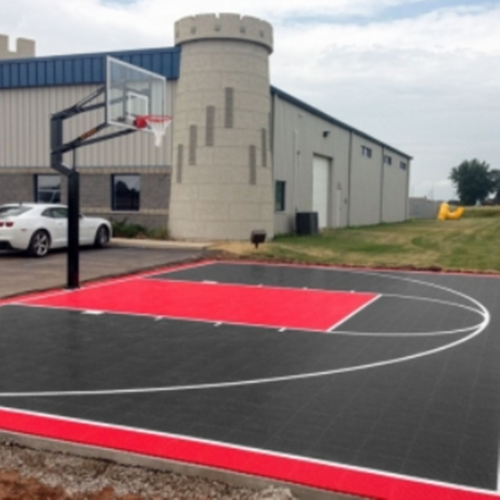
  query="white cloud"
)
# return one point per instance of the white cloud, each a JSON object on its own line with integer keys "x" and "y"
{"x": 429, "y": 85}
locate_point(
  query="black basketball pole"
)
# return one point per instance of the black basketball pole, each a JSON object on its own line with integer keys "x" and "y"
{"x": 73, "y": 268}
{"x": 57, "y": 150}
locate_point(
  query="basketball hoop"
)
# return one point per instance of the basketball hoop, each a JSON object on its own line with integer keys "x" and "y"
{"x": 158, "y": 124}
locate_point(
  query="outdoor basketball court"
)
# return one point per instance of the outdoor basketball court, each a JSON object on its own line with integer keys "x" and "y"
{"x": 383, "y": 384}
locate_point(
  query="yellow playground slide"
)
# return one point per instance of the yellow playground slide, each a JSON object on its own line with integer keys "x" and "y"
{"x": 445, "y": 213}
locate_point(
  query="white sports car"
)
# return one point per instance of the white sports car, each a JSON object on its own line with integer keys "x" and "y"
{"x": 38, "y": 227}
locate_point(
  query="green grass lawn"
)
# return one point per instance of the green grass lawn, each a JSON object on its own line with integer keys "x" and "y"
{"x": 471, "y": 243}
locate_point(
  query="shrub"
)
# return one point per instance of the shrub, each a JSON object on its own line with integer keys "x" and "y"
{"x": 124, "y": 229}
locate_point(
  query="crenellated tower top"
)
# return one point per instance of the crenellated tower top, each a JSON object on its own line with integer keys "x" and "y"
{"x": 24, "y": 48}
{"x": 224, "y": 27}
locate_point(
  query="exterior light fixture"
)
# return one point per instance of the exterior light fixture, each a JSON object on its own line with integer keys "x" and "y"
{"x": 258, "y": 236}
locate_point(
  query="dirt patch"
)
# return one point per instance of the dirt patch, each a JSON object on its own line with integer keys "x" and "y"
{"x": 27, "y": 474}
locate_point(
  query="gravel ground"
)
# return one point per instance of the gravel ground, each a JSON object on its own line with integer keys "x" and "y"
{"x": 27, "y": 474}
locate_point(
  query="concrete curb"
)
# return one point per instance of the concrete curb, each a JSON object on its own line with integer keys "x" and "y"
{"x": 143, "y": 243}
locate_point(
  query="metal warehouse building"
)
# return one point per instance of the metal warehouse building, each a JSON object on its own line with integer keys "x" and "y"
{"x": 240, "y": 154}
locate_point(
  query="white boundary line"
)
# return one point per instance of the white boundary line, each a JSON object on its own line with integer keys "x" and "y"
{"x": 418, "y": 334}
{"x": 279, "y": 328}
{"x": 240, "y": 383}
{"x": 85, "y": 310}
{"x": 498, "y": 471}
{"x": 484, "y": 312}
{"x": 428, "y": 299}
{"x": 259, "y": 451}
{"x": 349, "y": 316}
{"x": 260, "y": 285}
{"x": 405, "y": 334}
{"x": 154, "y": 273}
{"x": 368, "y": 270}
{"x": 385, "y": 274}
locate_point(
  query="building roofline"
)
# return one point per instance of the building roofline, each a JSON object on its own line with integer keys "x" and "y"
{"x": 83, "y": 69}
{"x": 320, "y": 114}
{"x": 115, "y": 53}
{"x": 98, "y": 77}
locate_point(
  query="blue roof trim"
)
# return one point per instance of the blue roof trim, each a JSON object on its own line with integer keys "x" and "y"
{"x": 310, "y": 109}
{"x": 83, "y": 69}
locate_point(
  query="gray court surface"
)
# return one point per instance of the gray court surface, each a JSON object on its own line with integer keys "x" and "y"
{"x": 406, "y": 388}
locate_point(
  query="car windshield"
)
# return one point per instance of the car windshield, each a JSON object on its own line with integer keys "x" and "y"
{"x": 13, "y": 210}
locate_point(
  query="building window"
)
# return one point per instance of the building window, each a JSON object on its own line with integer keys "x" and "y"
{"x": 48, "y": 188}
{"x": 126, "y": 192}
{"x": 387, "y": 160}
{"x": 403, "y": 165}
{"x": 366, "y": 151}
{"x": 279, "y": 198}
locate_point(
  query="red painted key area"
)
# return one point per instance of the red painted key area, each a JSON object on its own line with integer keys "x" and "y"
{"x": 248, "y": 305}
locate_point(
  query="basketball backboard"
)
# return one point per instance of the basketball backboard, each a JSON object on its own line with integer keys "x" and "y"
{"x": 132, "y": 93}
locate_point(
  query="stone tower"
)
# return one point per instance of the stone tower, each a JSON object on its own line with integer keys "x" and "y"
{"x": 24, "y": 48}
{"x": 222, "y": 185}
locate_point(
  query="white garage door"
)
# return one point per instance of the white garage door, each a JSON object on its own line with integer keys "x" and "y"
{"x": 321, "y": 183}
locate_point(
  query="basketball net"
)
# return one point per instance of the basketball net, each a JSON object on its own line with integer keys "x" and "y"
{"x": 158, "y": 124}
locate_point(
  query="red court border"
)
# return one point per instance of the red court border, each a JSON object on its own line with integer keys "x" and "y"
{"x": 298, "y": 470}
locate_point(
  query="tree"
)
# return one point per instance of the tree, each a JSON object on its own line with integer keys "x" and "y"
{"x": 495, "y": 176}
{"x": 474, "y": 181}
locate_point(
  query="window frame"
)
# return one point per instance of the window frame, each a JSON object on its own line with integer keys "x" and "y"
{"x": 38, "y": 189}
{"x": 135, "y": 205}
{"x": 387, "y": 160}
{"x": 366, "y": 151}
{"x": 279, "y": 196}
{"x": 403, "y": 165}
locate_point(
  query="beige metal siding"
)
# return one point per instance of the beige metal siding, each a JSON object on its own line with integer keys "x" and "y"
{"x": 395, "y": 195}
{"x": 297, "y": 137}
{"x": 366, "y": 183}
{"x": 25, "y": 131}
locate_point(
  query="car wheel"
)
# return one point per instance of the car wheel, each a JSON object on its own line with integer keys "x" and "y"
{"x": 39, "y": 244}
{"x": 101, "y": 237}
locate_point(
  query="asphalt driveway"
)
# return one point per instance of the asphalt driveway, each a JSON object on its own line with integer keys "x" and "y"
{"x": 20, "y": 273}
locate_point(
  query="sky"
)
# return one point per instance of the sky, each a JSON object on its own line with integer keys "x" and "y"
{"x": 420, "y": 75}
